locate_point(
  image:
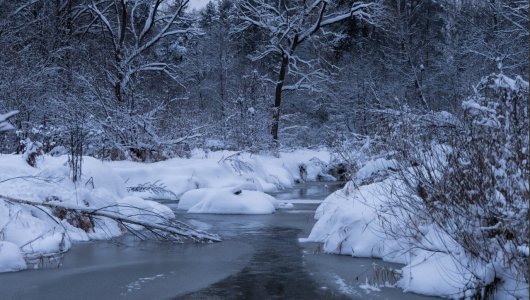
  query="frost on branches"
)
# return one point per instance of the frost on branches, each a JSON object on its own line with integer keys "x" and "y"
{"x": 471, "y": 182}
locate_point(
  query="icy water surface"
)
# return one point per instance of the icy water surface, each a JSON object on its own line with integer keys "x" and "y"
{"x": 260, "y": 258}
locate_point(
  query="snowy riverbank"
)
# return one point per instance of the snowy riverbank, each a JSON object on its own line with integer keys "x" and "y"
{"x": 29, "y": 234}
{"x": 356, "y": 221}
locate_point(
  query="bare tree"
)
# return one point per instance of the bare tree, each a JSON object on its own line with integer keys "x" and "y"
{"x": 137, "y": 35}
{"x": 134, "y": 28}
{"x": 288, "y": 25}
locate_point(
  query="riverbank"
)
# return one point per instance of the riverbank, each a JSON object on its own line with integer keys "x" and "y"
{"x": 260, "y": 258}
{"x": 34, "y": 233}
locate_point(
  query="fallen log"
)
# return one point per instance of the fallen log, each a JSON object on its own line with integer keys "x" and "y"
{"x": 166, "y": 228}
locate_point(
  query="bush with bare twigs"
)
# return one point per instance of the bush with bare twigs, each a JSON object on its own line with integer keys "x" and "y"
{"x": 469, "y": 179}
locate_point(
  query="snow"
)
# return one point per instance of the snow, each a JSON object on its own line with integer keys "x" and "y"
{"x": 11, "y": 258}
{"x": 349, "y": 223}
{"x": 374, "y": 166}
{"x": 344, "y": 287}
{"x": 4, "y": 125}
{"x": 38, "y": 232}
{"x": 225, "y": 201}
{"x": 144, "y": 210}
{"x": 437, "y": 274}
{"x": 221, "y": 182}
{"x": 222, "y": 169}
{"x": 523, "y": 250}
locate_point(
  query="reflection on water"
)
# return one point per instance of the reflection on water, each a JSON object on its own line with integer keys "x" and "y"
{"x": 282, "y": 268}
{"x": 276, "y": 271}
{"x": 309, "y": 190}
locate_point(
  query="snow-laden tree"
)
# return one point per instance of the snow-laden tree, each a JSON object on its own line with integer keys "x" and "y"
{"x": 134, "y": 28}
{"x": 290, "y": 25}
{"x": 140, "y": 44}
{"x": 469, "y": 178}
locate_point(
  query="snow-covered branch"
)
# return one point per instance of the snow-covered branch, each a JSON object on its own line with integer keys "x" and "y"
{"x": 164, "y": 227}
{"x": 4, "y": 124}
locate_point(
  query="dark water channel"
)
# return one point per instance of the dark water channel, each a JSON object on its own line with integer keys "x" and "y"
{"x": 260, "y": 258}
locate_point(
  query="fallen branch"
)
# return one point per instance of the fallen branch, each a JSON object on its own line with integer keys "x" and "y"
{"x": 166, "y": 229}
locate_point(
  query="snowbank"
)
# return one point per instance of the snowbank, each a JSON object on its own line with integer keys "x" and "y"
{"x": 350, "y": 222}
{"x": 33, "y": 232}
{"x": 375, "y": 167}
{"x": 11, "y": 258}
{"x": 214, "y": 182}
{"x": 222, "y": 169}
{"x": 227, "y": 201}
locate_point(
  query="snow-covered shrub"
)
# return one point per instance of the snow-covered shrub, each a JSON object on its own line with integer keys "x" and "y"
{"x": 363, "y": 158}
{"x": 32, "y": 150}
{"x": 47, "y": 135}
{"x": 469, "y": 181}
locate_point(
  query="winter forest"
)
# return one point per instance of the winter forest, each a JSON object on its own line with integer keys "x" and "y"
{"x": 264, "y": 149}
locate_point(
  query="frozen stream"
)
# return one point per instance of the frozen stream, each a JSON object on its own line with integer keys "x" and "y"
{"x": 260, "y": 258}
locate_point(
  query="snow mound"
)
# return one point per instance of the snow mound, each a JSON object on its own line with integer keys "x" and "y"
{"x": 375, "y": 166}
{"x": 349, "y": 223}
{"x": 49, "y": 231}
{"x": 11, "y": 258}
{"x": 227, "y": 201}
{"x": 223, "y": 169}
{"x": 439, "y": 274}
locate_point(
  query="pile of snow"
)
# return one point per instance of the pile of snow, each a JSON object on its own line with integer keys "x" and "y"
{"x": 350, "y": 223}
{"x": 224, "y": 169}
{"x": 30, "y": 232}
{"x": 347, "y": 224}
{"x": 11, "y": 258}
{"x": 209, "y": 182}
{"x": 375, "y": 167}
{"x": 227, "y": 201}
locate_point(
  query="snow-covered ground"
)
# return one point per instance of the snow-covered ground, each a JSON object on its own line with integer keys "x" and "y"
{"x": 214, "y": 182}
{"x": 222, "y": 169}
{"x": 351, "y": 221}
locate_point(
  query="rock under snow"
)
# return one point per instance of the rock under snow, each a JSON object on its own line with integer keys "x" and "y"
{"x": 227, "y": 201}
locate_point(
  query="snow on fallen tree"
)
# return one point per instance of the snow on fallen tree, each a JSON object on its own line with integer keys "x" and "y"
{"x": 163, "y": 228}
{"x": 42, "y": 212}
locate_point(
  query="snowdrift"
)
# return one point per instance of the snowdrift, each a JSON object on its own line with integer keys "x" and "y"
{"x": 354, "y": 221}
{"x": 222, "y": 169}
{"x": 227, "y": 201}
{"x": 32, "y": 232}
{"x": 217, "y": 182}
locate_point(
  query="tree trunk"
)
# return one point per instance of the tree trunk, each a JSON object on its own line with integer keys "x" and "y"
{"x": 278, "y": 101}
{"x": 118, "y": 88}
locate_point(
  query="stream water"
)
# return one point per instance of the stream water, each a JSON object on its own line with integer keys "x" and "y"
{"x": 260, "y": 258}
